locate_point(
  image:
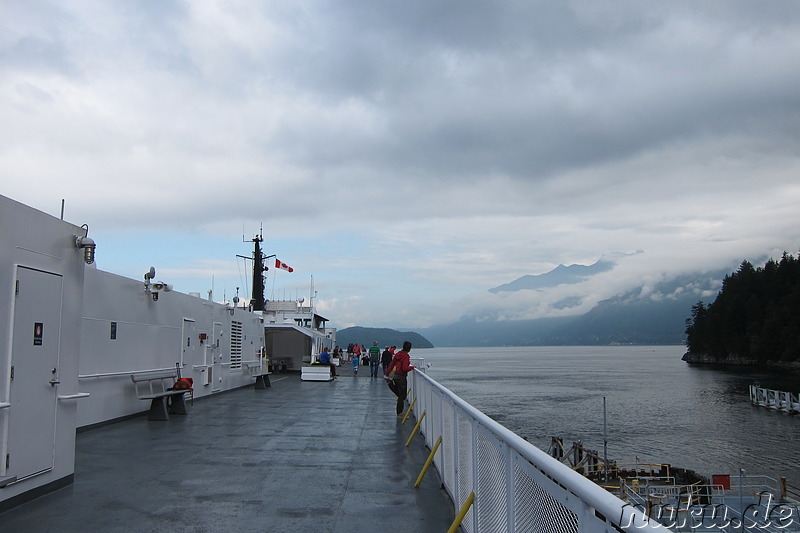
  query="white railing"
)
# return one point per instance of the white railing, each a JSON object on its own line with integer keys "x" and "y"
{"x": 517, "y": 487}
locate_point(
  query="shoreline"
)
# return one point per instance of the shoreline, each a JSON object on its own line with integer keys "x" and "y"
{"x": 705, "y": 359}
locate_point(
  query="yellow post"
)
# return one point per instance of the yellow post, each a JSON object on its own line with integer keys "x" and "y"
{"x": 462, "y": 513}
{"x": 416, "y": 428}
{"x": 408, "y": 411}
{"x": 429, "y": 461}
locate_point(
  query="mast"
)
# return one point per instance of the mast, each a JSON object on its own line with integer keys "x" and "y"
{"x": 257, "y": 301}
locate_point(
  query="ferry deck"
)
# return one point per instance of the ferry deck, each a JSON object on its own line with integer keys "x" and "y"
{"x": 296, "y": 457}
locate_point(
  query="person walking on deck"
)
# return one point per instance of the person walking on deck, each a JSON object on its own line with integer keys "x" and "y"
{"x": 386, "y": 359}
{"x": 374, "y": 359}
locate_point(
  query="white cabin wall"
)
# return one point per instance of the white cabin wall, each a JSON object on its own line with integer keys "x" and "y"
{"x": 81, "y": 302}
{"x": 31, "y": 239}
{"x": 154, "y": 335}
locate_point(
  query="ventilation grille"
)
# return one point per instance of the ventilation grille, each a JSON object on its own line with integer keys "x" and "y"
{"x": 236, "y": 344}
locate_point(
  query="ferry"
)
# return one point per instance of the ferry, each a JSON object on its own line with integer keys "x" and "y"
{"x": 96, "y": 433}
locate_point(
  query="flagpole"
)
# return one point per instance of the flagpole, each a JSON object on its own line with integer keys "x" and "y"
{"x": 311, "y": 295}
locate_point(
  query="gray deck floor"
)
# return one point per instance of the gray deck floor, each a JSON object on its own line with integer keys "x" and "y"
{"x": 296, "y": 457}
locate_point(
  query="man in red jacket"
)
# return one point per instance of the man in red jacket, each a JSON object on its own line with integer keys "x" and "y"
{"x": 401, "y": 364}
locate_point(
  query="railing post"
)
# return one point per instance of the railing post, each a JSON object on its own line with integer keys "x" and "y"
{"x": 428, "y": 461}
{"x": 474, "y": 481}
{"x": 510, "y": 490}
{"x": 462, "y": 513}
{"x": 416, "y": 429}
{"x": 408, "y": 411}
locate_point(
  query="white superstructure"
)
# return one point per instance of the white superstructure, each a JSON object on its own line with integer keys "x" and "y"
{"x": 41, "y": 283}
{"x": 73, "y": 336}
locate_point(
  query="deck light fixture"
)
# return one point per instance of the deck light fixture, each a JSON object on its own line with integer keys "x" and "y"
{"x": 87, "y": 245}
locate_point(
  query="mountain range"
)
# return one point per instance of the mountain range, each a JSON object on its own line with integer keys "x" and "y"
{"x": 655, "y": 314}
{"x": 648, "y": 314}
{"x": 558, "y": 276}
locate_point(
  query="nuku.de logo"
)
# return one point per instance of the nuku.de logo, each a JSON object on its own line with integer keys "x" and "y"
{"x": 756, "y": 517}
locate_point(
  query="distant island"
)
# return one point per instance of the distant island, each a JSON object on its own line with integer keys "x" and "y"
{"x": 755, "y": 319}
{"x": 384, "y": 336}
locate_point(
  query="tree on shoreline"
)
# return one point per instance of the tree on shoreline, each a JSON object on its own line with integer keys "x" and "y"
{"x": 756, "y": 315}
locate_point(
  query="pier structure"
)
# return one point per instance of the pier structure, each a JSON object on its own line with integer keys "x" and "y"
{"x": 783, "y": 401}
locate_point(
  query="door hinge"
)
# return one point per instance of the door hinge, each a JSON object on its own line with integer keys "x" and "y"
{"x": 12, "y": 372}
{"x": 16, "y": 288}
{"x": 8, "y": 461}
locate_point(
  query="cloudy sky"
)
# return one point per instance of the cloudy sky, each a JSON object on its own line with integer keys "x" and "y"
{"x": 409, "y": 155}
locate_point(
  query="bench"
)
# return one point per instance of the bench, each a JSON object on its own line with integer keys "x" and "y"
{"x": 258, "y": 371}
{"x": 316, "y": 373}
{"x": 155, "y": 386}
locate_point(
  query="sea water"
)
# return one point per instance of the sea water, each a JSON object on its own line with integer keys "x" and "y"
{"x": 659, "y": 409}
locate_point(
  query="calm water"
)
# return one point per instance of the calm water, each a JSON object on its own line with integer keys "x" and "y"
{"x": 658, "y": 407}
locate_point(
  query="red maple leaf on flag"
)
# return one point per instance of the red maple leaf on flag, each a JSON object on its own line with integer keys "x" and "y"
{"x": 282, "y": 265}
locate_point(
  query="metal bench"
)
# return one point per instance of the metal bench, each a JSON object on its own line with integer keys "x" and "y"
{"x": 155, "y": 386}
{"x": 258, "y": 371}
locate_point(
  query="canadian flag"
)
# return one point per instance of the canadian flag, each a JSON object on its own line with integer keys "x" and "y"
{"x": 284, "y": 266}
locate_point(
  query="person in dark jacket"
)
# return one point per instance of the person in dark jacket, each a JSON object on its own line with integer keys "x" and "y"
{"x": 386, "y": 358}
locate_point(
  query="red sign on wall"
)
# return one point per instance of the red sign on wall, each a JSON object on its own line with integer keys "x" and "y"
{"x": 38, "y": 332}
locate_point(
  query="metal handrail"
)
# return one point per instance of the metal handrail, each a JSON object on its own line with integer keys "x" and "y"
{"x": 593, "y": 500}
{"x": 123, "y": 373}
{"x": 131, "y": 372}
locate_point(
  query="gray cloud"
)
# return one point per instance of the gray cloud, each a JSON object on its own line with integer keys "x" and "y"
{"x": 484, "y": 140}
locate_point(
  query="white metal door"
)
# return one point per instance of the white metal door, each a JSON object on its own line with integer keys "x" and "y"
{"x": 216, "y": 368}
{"x": 34, "y": 373}
{"x": 189, "y": 343}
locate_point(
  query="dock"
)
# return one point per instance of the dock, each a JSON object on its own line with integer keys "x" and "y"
{"x": 298, "y": 456}
{"x": 787, "y": 402}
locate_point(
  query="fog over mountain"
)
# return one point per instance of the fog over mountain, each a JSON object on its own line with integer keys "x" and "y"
{"x": 653, "y": 312}
{"x": 558, "y": 276}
